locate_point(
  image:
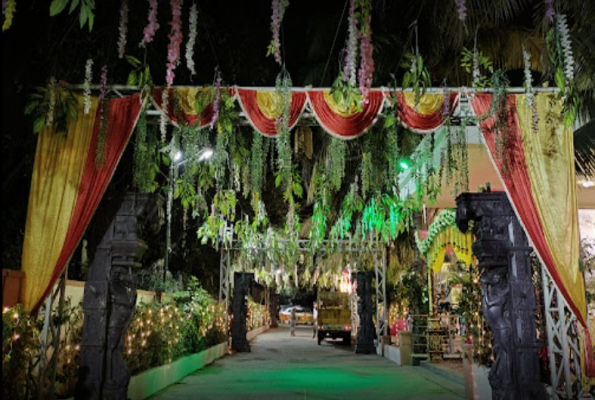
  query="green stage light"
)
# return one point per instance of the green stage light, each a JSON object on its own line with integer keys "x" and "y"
{"x": 404, "y": 165}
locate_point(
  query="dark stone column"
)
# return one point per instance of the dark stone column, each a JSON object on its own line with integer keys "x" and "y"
{"x": 109, "y": 301}
{"x": 273, "y": 305}
{"x": 241, "y": 284}
{"x": 508, "y": 293}
{"x": 365, "y": 333}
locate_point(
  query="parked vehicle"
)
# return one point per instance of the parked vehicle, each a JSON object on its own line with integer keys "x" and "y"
{"x": 303, "y": 315}
{"x": 334, "y": 316}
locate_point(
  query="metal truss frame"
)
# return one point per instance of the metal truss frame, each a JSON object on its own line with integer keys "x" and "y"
{"x": 563, "y": 342}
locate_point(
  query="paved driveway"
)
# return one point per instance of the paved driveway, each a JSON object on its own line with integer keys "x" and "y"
{"x": 284, "y": 367}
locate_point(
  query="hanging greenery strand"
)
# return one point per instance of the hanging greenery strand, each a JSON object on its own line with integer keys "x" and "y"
{"x": 336, "y": 157}
{"x": 9, "y": 7}
{"x": 257, "y": 167}
{"x": 283, "y": 172}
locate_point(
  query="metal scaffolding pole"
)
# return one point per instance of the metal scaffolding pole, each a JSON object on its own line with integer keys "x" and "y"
{"x": 381, "y": 311}
{"x": 564, "y": 350}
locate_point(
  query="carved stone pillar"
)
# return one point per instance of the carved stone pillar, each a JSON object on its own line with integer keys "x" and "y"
{"x": 273, "y": 305}
{"x": 366, "y": 331}
{"x": 109, "y": 301}
{"x": 508, "y": 293}
{"x": 241, "y": 284}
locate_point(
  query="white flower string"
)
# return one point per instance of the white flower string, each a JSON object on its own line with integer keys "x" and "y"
{"x": 123, "y": 28}
{"x": 87, "y": 85}
{"x": 566, "y": 45}
{"x": 191, "y": 39}
{"x": 528, "y": 77}
{"x": 163, "y": 119}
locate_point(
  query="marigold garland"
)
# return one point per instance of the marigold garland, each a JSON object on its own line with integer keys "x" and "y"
{"x": 175, "y": 40}
{"x": 123, "y": 28}
{"x": 193, "y": 20}
{"x": 152, "y": 26}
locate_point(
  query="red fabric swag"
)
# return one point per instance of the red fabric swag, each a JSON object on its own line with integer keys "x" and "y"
{"x": 259, "y": 121}
{"x": 124, "y": 113}
{"x": 422, "y": 123}
{"x": 346, "y": 127}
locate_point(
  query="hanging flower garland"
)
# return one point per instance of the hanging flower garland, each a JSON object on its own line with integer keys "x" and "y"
{"x": 193, "y": 21}
{"x": 530, "y": 93}
{"x": 278, "y": 7}
{"x": 216, "y": 99}
{"x": 366, "y": 66}
{"x": 9, "y": 7}
{"x": 123, "y": 28}
{"x": 461, "y": 9}
{"x": 549, "y": 10}
{"x": 350, "y": 69}
{"x": 87, "y": 85}
{"x": 152, "y": 26}
{"x": 163, "y": 116}
{"x": 445, "y": 219}
{"x": 175, "y": 40}
{"x": 566, "y": 44}
{"x": 103, "y": 119}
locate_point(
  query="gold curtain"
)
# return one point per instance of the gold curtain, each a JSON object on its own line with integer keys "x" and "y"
{"x": 549, "y": 155}
{"x": 59, "y": 163}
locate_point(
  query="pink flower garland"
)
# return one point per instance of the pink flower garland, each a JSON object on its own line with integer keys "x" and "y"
{"x": 549, "y": 10}
{"x": 175, "y": 40}
{"x": 366, "y": 68}
{"x": 461, "y": 9}
{"x": 216, "y": 100}
{"x": 275, "y": 25}
{"x": 349, "y": 69}
{"x": 152, "y": 26}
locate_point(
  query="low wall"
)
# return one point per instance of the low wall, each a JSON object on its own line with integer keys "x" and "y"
{"x": 147, "y": 383}
{"x": 477, "y": 385}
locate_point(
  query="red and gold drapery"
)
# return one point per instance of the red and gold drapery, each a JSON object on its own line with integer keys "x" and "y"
{"x": 180, "y": 104}
{"x": 345, "y": 123}
{"x": 540, "y": 182}
{"x": 262, "y": 109}
{"x": 66, "y": 189}
{"x": 428, "y": 115}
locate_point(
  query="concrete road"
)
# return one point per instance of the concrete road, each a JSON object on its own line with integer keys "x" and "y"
{"x": 295, "y": 368}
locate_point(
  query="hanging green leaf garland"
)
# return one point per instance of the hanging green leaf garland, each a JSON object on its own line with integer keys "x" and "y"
{"x": 145, "y": 157}
{"x": 283, "y": 172}
{"x": 336, "y": 157}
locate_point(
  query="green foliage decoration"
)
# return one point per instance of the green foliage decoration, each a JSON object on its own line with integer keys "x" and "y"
{"x": 569, "y": 93}
{"x": 345, "y": 95}
{"x": 477, "y": 64}
{"x": 417, "y": 77}
{"x": 146, "y": 166}
{"x": 86, "y": 10}
{"x": 336, "y": 158}
{"x": 141, "y": 73}
{"x": 52, "y": 106}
